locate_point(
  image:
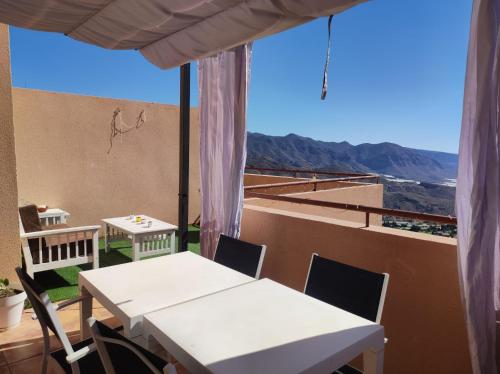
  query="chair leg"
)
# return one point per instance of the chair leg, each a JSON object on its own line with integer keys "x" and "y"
{"x": 75, "y": 368}
{"x": 44, "y": 364}
{"x": 46, "y": 351}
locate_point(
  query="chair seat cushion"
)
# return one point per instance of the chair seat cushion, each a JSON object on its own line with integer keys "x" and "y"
{"x": 91, "y": 363}
{"x": 54, "y": 241}
{"x": 56, "y": 226}
{"x": 29, "y": 218}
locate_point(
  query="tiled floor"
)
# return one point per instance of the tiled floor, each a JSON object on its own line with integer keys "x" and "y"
{"x": 21, "y": 347}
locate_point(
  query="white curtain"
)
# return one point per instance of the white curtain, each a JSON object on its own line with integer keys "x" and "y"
{"x": 478, "y": 186}
{"x": 223, "y": 84}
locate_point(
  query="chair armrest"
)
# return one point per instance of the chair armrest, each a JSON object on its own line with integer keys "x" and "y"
{"x": 82, "y": 352}
{"x": 69, "y": 230}
{"x": 72, "y": 301}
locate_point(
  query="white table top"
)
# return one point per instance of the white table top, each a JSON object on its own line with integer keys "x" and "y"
{"x": 261, "y": 327}
{"x": 132, "y": 227}
{"x": 53, "y": 212}
{"x": 130, "y": 290}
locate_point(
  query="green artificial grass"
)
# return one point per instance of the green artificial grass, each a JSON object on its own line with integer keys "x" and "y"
{"x": 62, "y": 284}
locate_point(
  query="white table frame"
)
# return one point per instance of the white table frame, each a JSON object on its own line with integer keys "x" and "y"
{"x": 146, "y": 241}
{"x": 203, "y": 334}
{"x": 53, "y": 216}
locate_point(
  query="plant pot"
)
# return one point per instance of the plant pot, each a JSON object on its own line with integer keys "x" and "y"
{"x": 11, "y": 310}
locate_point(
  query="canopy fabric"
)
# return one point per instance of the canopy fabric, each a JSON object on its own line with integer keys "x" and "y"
{"x": 168, "y": 33}
{"x": 478, "y": 188}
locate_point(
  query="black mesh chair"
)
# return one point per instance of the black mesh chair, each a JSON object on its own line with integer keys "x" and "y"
{"x": 355, "y": 290}
{"x": 120, "y": 355}
{"x": 72, "y": 358}
{"x": 247, "y": 258}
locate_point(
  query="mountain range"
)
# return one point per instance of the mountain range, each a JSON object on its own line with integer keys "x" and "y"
{"x": 294, "y": 151}
{"x": 432, "y": 170}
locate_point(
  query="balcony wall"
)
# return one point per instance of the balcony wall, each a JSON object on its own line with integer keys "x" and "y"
{"x": 423, "y": 316}
{"x": 9, "y": 229}
{"x": 62, "y": 142}
{"x": 340, "y": 192}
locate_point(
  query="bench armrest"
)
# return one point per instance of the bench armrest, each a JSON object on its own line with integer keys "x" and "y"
{"x": 69, "y": 230}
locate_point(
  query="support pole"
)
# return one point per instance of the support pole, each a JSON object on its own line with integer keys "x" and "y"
{"x": 184, "y": 156}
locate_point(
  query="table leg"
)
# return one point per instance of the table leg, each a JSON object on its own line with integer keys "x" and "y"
{"x": 135, "y": 248}
{"x": 152, "y": 345}
{"x": 106, "y": 239}
{"x": 85, "y": 312}
{"x": 148, "y": 339}
{"x": 373, "y": 361}
{"x": 172, "y": 243}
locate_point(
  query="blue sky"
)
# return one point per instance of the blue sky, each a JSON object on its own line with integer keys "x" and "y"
{"x": 396, "y": 74}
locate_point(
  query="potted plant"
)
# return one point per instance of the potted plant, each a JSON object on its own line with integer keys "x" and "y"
{"x": 11, "y": 305}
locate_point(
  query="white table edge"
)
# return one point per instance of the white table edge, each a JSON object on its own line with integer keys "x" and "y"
{"x": 144, "y": 230}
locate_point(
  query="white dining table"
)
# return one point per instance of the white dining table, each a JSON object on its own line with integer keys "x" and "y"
{"x": 131, "y": 290}
{"x": 264, "y": 327}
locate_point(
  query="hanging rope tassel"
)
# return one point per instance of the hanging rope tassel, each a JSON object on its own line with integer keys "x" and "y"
{"x": 324, "y": 89}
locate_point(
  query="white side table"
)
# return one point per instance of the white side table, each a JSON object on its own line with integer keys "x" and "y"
{"x": 159, "y": 238}
{"x": 53, "y": 216}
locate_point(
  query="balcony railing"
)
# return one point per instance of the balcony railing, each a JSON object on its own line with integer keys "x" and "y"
{"x": 256, "y": 192}
{"x": 296, "y": 172}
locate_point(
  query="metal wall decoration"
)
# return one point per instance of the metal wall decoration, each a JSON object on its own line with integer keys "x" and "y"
{"x": 119, "y": 127}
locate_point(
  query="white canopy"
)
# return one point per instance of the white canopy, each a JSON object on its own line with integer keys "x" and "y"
{"x": 167, "y": 32}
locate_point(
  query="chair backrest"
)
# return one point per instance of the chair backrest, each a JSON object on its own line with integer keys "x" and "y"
{"x": 120, "y": 355}
{"x": 29, "y": 221}
{"x": 355, "y": 290}
{"x": 29, "y": 218}
{"x": 239, "y": 255}
{"x": 44, "y": 309}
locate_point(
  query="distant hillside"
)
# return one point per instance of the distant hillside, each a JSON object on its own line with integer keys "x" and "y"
{"x": 428, "y": 167}
{"x": 295, "y": 151}
{"x": 423, "y": 197}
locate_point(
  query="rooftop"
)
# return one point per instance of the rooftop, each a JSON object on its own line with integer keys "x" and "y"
{"x": 422, "y": 267}
{"x": 296, "y": 217}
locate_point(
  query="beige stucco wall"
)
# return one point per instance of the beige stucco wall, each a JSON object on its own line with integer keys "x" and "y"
{"x": 360, "y": 194}
{"x": 423, "y": 316}
{"x": 9, "y": 230}
{"x": 61, "y": 146}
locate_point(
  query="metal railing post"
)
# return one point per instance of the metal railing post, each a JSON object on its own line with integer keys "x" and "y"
{"x": 184, "y": 156}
